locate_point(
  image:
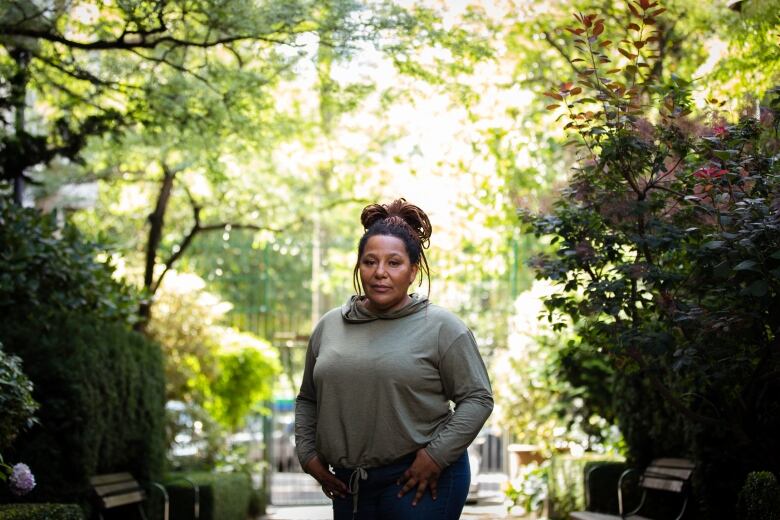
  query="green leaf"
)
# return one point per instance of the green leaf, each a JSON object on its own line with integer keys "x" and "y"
{"x": 746, "y": 265}
{"x": 757, "y": 288}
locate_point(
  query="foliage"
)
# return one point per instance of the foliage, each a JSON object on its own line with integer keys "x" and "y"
{"x": 36, "y": 511}
{"x": 222, "y": 495}
{"x": 44, "y": 269}
{"x": 759, "y": 497}
{"x": 101, "y": 391}
{"x": 542, "y": 377}
{"x": 226, "y": 372}
{"x": 16, "y": 399}
{"x": 666, "y": 250}
{"x": 528, "y": 491}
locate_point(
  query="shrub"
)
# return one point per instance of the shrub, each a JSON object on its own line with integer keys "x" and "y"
{"x": 39, "y": 511}
{"x": 223, "y": 496}
{"x": 759, "y": 498}
{"x": 666, "y": 250}
{"x": 101, "y": 391}
{"x": 45, "y": 269}
{"x": 16, "y": 400}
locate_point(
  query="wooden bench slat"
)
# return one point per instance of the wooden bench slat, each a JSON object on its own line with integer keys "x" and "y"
{"x": 112, "y": 489}
{"x": 673, "y": 463}
{"x": 655, "y": 471}
{"x": 112, "y": 501}
{"x": 663, "y": 484}
{"x": 110, "y": 478}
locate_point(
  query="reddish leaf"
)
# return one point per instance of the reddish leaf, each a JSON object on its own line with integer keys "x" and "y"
{"x": 554, "y": 95}
{"x": 627, "y": 54}
{"x": 644, "y": 4}
{"x": 578, "y": 17}
{"x": 575, "y": 91}
{"x": 604, "y": 59}
{"x": 649, "y": 21}
{"x": 552, "y": 107}
{"x": 633, "y": 26}
{"x": 613, "y": 71}
{"x": 656, "y": 13}
{"x": 634, "y": 10}
{"x": 639, "y": 44}
{"x": 598, "y": 29}
{"x": 605, "y": 43}
{"x": 577, "y": 60}
{"x": 588, "y": 20}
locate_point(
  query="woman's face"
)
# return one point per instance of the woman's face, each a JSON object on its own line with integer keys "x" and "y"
{"x": 386, "y": 273}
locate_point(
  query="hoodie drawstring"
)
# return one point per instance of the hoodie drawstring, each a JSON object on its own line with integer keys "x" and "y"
{"x": 354, "y": 486}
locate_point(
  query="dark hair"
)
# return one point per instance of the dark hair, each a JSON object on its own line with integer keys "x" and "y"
{"x": 402, "y": 220}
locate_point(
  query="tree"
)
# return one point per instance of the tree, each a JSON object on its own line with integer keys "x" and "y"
{"x": 665, "y": 249}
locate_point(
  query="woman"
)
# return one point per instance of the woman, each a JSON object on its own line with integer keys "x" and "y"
{"x": 380, "y": 374}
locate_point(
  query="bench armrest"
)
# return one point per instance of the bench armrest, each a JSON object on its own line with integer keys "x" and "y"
{"x": 623, "y": 476}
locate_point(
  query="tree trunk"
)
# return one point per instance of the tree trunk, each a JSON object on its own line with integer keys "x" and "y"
{"x": 19, "y": 102}
{"x": 156, "y": 226}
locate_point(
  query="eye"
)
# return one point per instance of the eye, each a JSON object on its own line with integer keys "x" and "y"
{"x": 394, "y": 263}
{"x": 367, "y": 261}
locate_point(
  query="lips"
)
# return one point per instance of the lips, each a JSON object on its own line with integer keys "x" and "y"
{"x": 381, "y": 288}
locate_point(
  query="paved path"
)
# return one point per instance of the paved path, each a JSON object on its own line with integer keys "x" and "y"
{"x": 481, "y": 511}
{"x": 303, "y": 499}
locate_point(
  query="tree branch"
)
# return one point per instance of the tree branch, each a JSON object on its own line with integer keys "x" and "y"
{"x": 132, "y": 40}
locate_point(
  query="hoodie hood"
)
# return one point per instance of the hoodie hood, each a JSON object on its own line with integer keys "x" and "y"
{"x": 354, "y": 310}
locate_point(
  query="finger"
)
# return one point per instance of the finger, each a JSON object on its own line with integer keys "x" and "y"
{"x": 335, "y": 485}
{"x": 407, "y": 487}
{"x": 420, "y": 492}
{"x": 434, "y": 487}
{"x": 405, "y": 477}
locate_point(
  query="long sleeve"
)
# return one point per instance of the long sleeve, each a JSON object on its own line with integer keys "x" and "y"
{"x": 306, "y": 406}
{"x": 466, "y": 383}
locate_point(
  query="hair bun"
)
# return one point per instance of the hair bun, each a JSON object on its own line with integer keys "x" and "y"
{"x": 408, "y": 214}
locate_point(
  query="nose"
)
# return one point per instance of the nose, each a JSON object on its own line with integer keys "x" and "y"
{"x": 380, "y": 270}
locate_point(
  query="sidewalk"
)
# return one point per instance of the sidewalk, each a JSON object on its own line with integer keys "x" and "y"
{"x": 486, "y": 511}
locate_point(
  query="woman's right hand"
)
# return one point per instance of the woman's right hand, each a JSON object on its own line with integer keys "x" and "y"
{"x": 331, "y": 485}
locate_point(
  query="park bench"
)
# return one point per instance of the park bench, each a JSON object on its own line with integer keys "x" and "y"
{"x": 663, "y": 478}
{"x": 121, "y": 490}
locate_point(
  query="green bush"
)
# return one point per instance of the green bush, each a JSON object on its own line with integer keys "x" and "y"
{"x": 759, "y": 498}
{"x": 44, "y": 269}
{"x": 16, "y": 400}
{"x": 223, "y": 496}
{"x": 101, "y": 391}
{"x": 666, "y": 253}
{"x": 39, "y": 511}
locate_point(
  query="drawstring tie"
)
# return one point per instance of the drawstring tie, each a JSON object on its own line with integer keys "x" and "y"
{"x": 354, "y": 486}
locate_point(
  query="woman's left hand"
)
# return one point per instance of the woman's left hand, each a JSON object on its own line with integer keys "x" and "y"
{"x": 423, "y": 474}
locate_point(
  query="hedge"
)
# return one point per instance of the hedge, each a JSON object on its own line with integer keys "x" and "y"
{"x": 759, "y": 498}
{"x": 39, "y": 511}
{"x": 101, "y": 391}
{"x": 223, "y": 496}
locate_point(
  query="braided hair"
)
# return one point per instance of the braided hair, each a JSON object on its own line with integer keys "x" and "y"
{"x": 402, "y": 220}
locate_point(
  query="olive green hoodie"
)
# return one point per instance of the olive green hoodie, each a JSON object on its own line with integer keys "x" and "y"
{"x": 377, "y": 387}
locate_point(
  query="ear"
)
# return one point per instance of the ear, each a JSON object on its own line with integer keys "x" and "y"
{"x": 415, "y": 270}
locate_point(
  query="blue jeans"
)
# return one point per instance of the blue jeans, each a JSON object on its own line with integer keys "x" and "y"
{"x": 378, "y": 495}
